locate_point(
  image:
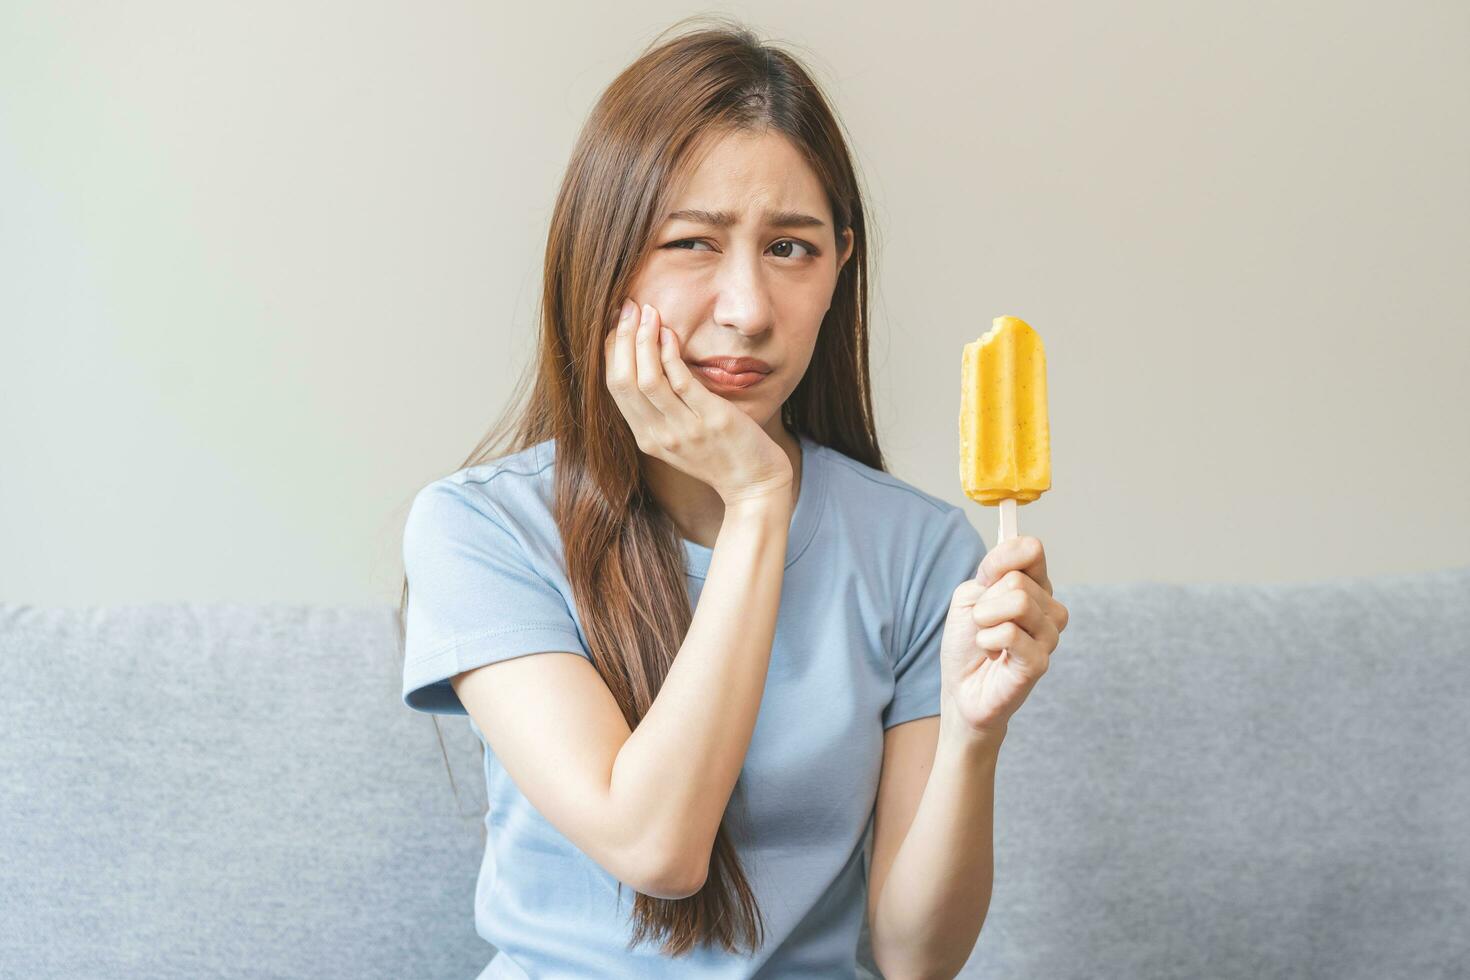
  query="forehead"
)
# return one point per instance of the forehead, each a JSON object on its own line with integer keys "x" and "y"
{"x": 749, "y": 174}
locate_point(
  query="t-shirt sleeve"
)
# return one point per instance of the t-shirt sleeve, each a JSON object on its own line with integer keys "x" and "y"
{"x": 945, "y": 562}
{"x": 474, "y": 597}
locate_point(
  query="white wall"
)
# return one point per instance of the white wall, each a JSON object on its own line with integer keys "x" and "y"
{"x": 269, "y": 268}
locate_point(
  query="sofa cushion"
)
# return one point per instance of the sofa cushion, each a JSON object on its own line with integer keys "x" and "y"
{"x": 1213, "y": 780}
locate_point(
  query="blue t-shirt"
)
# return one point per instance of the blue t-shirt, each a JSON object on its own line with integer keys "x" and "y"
{"x": 871, "y": 563}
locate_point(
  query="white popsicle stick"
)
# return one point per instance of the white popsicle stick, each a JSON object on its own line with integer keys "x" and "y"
{"x": 1007, "y": 520}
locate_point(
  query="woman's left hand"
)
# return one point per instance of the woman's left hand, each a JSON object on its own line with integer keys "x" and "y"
{"x": 1008, "y": 606}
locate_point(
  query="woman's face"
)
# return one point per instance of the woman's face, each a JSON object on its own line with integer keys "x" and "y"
{"x": 730, "y": 279}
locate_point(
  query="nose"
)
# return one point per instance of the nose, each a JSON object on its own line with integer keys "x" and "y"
{"x": 743, "y": 297}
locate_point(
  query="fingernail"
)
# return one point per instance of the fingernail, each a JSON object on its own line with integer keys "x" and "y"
{"x": 647, "y": 313}
{"x": 666, "y": 335}
{"x": 628, "y": 307}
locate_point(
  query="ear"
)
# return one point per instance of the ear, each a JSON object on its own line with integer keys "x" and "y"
{"x": 849, "y": 238}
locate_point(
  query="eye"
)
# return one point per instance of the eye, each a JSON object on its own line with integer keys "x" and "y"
{"x": 792, "y": 241}
{"x": 810, "y": 250}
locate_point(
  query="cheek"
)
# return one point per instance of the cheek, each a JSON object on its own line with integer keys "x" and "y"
{"x": 674, "y": 296}
{"x": 810, "y": 303}
{"x": 802, "y": 315}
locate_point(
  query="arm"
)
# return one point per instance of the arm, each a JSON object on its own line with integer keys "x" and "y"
{"x": 679, "y": 767}
{"x": 646, "y": 804}
{"x": 656, "y": 793}
{"x": 930, "y": 883}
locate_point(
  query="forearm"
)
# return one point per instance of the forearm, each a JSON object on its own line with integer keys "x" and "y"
{"x": 937, "y": 892}
{"x": 686, "y": 754}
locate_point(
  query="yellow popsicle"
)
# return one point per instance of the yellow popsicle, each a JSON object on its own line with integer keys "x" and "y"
{"x": 1005, "y": 442}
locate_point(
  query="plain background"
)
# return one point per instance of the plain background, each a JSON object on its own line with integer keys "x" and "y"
{"x": 266, "y": 269}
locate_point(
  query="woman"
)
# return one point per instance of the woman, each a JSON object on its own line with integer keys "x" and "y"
{"x": 704, "y": 638}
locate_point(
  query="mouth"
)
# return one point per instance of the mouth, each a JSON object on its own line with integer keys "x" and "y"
{"x": 740, "y": 372}
{"x": 729, "y": 379}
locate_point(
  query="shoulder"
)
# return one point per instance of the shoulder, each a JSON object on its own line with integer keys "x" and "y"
{"x": 884, "y": 503}
{"x": 512, "y": 494}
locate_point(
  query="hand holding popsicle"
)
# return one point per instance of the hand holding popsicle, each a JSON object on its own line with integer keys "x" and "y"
{"x": 1008, "y": 610}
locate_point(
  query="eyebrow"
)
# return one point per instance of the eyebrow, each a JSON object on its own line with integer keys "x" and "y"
{"x": 724, "y": 219}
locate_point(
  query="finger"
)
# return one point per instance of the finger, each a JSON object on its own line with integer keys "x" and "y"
{"x": 1019, "y": 607}
{"x": 622, "y": 377}
{"x": 701, "y": 400}
{"x": 1023, "y": 648}
{"x": 1022, "y": 553}
{"x": 1019, "y": 581}
{"x": 651, "y": 380}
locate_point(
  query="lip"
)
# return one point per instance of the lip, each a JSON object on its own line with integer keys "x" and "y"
{"x": 735, "y": 365}
{"x": 732, "y": 373}
{"x": 721, "y": 379}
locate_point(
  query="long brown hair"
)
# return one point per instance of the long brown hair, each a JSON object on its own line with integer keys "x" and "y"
{"x": 624, "y": 556}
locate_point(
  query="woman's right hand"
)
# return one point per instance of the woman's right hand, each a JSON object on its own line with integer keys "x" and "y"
{"x": 675, "y": 418}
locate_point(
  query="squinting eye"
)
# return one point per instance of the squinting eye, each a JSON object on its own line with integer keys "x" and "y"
{"x": 785, "y": 241}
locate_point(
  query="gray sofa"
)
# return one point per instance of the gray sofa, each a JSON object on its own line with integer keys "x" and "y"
{"x": 1213, "y": 781}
